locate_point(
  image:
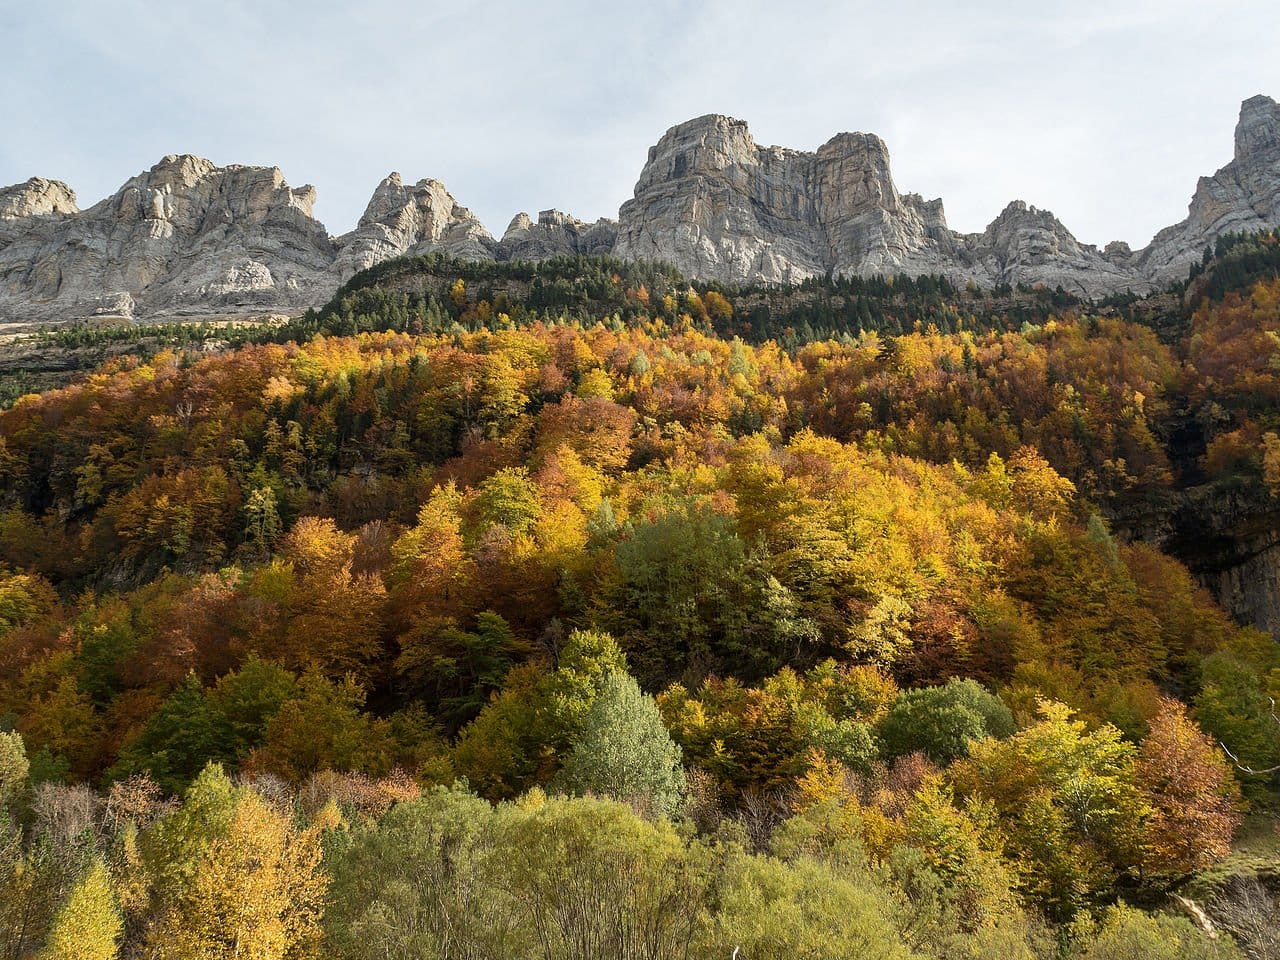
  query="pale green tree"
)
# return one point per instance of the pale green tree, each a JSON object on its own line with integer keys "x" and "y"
{"x": 768, "y": 908}
{"x": 1127, "y": 934}
{"x": 625, "y": 752}
{"x": 416, "y": 885}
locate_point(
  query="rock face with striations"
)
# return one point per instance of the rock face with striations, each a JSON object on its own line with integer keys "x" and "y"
{"x": 186, "y": 237}
{"x": 400, "y": 221}
{"x": 557, "y": 234}
{"x": 37, "y": 197}
{"x": 1026, "y": 245}
{"x": 717, "y": 206}
{"x": 1243, "y": 196}
{"x": 720, "y": 207}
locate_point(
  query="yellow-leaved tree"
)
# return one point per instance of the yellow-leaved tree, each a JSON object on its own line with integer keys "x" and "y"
{"x": 88, "y": 925}
{"x": 232, "y": 877}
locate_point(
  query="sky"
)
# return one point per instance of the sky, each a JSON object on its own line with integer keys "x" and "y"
{"x": 1105, "y": 113}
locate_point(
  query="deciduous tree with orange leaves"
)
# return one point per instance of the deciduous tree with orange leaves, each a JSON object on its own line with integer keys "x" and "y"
{"x": 1194, "y": 799}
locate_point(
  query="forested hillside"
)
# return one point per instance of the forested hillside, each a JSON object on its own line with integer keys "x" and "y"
{"x": 569, "y": 610}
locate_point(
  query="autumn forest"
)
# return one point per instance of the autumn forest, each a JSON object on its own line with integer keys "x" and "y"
{"x": 570, "y": 610}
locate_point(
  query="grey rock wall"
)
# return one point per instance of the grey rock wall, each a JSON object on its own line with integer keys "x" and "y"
{"x": 188, "y": 238}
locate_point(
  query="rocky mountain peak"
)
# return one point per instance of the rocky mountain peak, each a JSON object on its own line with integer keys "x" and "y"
{"x": 1242, "y": 197}
{"x": 865, "y": 146}
{"x": 711, "y": 128}
{"x": 556, "y": 234}
{"x": 557, "y": 218}
{"x": 852, "y": 174}
{"x": 185, "y": 237}
{"x": 405, "y": 220}
{"x": 932, "y": 214}
{"x": 1020, "y": 212}
{"x": 36, "y": 197}
{"x": 1026, "y": 244}
{"x": 189, "y": 237}
{"x": 704, "y": 145}
{"x": 717, "y": 206}
{"x": 1258, "y": 130}
{"x": 179, "y": 171}
{"x": 521, "y": 221}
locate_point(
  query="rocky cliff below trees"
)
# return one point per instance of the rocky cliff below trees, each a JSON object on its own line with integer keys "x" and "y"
{"x": 191, "y": 239}
{"x": 1227, "y": 532}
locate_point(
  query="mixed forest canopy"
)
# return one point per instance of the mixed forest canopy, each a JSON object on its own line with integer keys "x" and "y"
{"x": 791, "y": 620}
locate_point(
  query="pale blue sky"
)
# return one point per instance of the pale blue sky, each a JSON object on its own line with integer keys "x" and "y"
{"x": 1103, "y": 112}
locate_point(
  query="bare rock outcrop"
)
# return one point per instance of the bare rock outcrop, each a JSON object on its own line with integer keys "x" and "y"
{"x": 556, "y": 234}
{"x": 411, "y": 220}
{"x": 35, "y": 198}
{"x": 720, "y": 207}
{"x": 188, "y": 238}
{"x": 1243, "y": 196}
{"x": 1027, "y": 245}
{"x": 184, "y": 238}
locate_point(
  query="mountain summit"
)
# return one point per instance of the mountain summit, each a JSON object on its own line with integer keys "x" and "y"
{"x": 189, "y": 238}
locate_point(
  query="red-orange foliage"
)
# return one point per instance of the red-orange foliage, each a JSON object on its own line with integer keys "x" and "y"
{"x": 1193, "y": 796}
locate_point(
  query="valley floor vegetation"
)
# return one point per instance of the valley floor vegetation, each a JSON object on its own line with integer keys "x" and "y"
{"x": 477, "y": 631}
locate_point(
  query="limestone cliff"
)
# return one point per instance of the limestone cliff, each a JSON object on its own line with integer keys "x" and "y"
{"x": 1228, "y": 535}
{"x": 1243, "y": 196}
{"x": 1027, "y": 245}
{"x": 401, "y": 220}
{"x": 557, "y": 234}
{"x": 712, "y": 202}
{"x": 188, "y": 238}
{"x": 35, "y": 198}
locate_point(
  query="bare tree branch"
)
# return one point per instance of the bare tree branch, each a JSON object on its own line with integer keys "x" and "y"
{"x": 1244, "y": 768}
